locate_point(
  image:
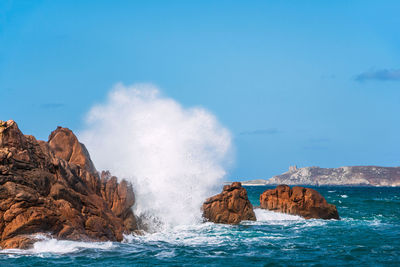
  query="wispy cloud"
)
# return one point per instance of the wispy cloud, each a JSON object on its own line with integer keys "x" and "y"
{"x": 319, "y": 140}
{"x": 315, "y": 147}
{"x": 379, "y": 75}
{"x": 269, "y": 131}
{"x": 52, "y": 105}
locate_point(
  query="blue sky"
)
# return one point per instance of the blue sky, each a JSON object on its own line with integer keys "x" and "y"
{"x": 312, "y": 83}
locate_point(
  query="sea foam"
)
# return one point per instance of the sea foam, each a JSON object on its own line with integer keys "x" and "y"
{"x": 267, "y": 216}
{"x": 47, "y": 245}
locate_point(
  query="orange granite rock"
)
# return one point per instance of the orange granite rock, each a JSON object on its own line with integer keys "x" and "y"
{"x": 231, "y": 206}
{"x": 305, "y": 202}
{"x": 53, "y": 187}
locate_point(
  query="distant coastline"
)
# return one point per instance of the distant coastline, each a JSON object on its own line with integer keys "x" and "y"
{"x": 375, "y": 176}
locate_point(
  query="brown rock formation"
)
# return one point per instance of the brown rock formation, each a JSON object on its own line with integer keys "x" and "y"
{"x": 65, "y": 145}
{"x": 231, "y": 206}
{"x": 305, "y": 202}
{"x": 52, "y": 187}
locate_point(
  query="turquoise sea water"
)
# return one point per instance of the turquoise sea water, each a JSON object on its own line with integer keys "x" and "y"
{"x": 368, "y": 235}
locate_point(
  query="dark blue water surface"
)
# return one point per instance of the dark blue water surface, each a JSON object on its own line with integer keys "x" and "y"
{"x": 368, "y": 234}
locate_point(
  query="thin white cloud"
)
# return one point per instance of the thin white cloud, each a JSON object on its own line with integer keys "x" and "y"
{"x": 379, "y": 75}
{"x": 269, "y": 131}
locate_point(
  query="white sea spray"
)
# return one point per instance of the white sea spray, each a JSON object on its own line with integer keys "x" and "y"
{"x": 174, "y": 156}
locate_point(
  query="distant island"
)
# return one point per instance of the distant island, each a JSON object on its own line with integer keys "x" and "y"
{"x": 345, "y": 176}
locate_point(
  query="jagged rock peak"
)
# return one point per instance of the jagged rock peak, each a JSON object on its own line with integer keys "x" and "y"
{"x": 10, "y": 135}
{"x": 65, "y": 145}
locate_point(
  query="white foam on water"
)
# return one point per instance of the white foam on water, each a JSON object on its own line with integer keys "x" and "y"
{"x": 267, "y": 217}
{"x": 66, "y": 246}
{"x": 46, "y": 245}
{"x": 263, "y": 215}
{"x": 188, "y": 235}
{"x": 205, "y": 234}
{"x": 375, "y": 222}
{"x": 315, "y": 222}
{"x": 344, "y": 196}
{"x": 176, "y": 157}
{"x": 166, "y": 254}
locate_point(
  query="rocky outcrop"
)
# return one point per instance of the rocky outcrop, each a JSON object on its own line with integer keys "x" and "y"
{"x": 65, "y": 145}
{"x": 231, "y": 206}
{"x": 53, "y": 187}
{"x": 349, "y": 176}
{"x": 305, "y": 202}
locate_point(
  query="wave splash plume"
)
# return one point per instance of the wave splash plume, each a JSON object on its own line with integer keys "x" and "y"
{"x": 174, "y": 156}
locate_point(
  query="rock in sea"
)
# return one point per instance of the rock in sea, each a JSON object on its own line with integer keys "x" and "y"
{"x": 305, "y": 202}
{"x": 53, "y": 188}
{"x": 231, "y": 206}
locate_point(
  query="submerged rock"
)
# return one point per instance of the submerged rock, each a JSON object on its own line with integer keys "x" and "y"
{"x": 305, "y": 202}
{"x": 231, "y": 206}
{"x": 53, "y": 187}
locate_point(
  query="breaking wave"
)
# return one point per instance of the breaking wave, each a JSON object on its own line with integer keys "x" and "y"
{"x": 174, "y": 156}
{"x": 263, "y": 215}
{"x": 47, "y": 245}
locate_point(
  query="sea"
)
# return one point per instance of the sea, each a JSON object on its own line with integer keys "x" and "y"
{"x": 368, "y": 234}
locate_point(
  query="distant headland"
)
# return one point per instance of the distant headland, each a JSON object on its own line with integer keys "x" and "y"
{"x": 343, "y": 176}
